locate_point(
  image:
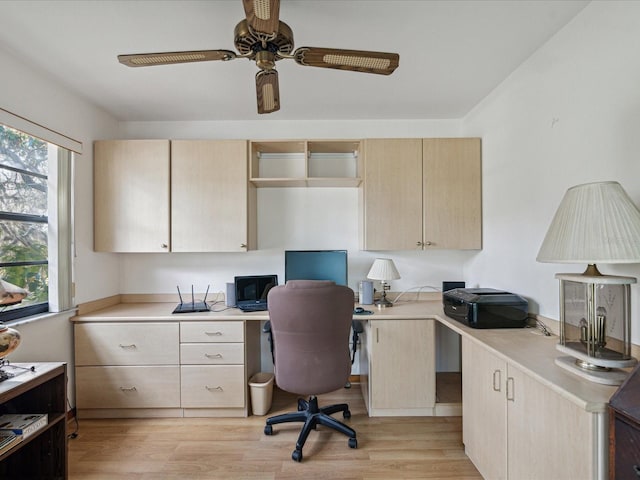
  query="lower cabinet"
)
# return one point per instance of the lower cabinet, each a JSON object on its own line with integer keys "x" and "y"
{"x": 397, "y": 367}
{"x": 212, "y": 372}
{"x": 514, "y": 427}
{"x": 163, "y": 369}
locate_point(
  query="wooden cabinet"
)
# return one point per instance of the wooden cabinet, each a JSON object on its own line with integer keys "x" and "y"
{"x": 39, "y": 388}
{"x": 397, "y": 362}
{"x": 180, "y": 196}
{"x": 514, "y": 427}
{"x": 305, "y": 163}
{"x": 624, "y": 429}
{"x": 164, "y": 369}
{"x": 421, "y": 193}
{"x": 131, "y": 195}
{"x": 484, "y": 419}
{"x": 127, "y": 369}
{"x": 212, "y": 366}
{"x": 210, "y": 197}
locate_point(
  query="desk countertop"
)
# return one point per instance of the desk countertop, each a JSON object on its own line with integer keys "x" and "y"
{"x": 524, "y": 348}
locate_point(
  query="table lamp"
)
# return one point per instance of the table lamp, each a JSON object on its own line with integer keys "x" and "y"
{"x": 595, "y": 223}
{"x": 383, "y": 269}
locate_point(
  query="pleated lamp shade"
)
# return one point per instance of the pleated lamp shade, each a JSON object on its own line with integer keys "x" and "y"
{"x": 383, "y": 269}
{"x": 595, "y": 223}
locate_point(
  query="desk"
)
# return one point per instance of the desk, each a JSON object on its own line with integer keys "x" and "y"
{"x": 560, "y": 416}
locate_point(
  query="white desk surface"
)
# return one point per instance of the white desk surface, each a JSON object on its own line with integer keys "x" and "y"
{"x": 525, "y": 348}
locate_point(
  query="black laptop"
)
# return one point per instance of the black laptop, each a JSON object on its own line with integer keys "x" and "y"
{"x": 252, "y": 290}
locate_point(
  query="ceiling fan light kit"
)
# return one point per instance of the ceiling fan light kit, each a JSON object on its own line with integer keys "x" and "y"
{"x": 263, "y": 38}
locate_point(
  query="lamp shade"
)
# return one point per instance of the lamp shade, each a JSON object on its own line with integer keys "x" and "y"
{"x": 383, "y": 269}
{"x": 11, "y": 294}
{"x": 595, "y": 223}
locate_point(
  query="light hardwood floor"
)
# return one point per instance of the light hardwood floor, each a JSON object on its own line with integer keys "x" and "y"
{"x": 231, "y": 448}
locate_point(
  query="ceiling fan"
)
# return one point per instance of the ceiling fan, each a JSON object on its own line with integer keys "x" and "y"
{"x": 264, "y": 38}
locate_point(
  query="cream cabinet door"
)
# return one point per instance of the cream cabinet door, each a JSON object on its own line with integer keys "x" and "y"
{"x": 548, "y": 435}
{"x": 484, "y": 412}
{"x": 131, "y": 195}
{"x": 402, "y": 367}
{"x": 391, "y": 204}
{"x": 210, "y": 196}
{"x": 452, "y": 193}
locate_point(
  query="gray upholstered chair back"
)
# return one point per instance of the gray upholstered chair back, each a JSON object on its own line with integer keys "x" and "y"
{"x": 310, "y": 323}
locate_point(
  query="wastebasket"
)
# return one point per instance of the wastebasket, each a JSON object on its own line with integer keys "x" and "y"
{"x": 261, "y": 386}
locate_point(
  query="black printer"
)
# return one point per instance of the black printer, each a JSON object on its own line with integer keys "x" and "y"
{"x": 485, "y": 307}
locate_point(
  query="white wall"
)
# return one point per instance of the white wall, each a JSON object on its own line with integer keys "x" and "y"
{"x": 569, "y": 115}
{"x": 27, "y": 92}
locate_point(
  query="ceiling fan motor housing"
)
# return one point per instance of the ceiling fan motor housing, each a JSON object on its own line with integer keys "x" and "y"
{"x": 252, "y": 44}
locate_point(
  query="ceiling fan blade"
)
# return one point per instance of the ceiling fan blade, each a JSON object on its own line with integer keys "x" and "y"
{"x": 262, "y": 15}
{"x": 267, "y": 91}
{"x": 355, "y": 60}
{"x": 167, "y": 58}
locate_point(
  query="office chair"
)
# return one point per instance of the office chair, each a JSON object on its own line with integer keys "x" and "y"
{"x": 310, "y": 322}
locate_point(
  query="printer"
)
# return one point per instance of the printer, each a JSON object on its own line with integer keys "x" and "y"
{"x": 485, "y": 308}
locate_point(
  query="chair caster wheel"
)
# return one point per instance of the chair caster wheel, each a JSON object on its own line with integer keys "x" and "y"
{"x": 346, "y": 414}
{"x": 297, "y": 455}
{"x": 353, "y": 443}
{"x": 268, "y": 430}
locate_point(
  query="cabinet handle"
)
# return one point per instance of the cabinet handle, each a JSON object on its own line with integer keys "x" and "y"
{"x": 213, "y": 355}
{"x": 164, "y": 245}
{"x": 497, "y": 381}
{"x": 428, "y": 244}
{"x": 418, "y": 244}
{"x": 128, "y": 389}
{"x": 243, "y": 245}
{"x": 377, "y": 335}
{"x": 213, "y": 389}
{"x": 133, "y": 345}
{"x": 214, "y": 334}
{"x": 510, "y": 391}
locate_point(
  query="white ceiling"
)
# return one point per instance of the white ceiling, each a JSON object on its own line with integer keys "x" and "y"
{"x": 452, "y": 54}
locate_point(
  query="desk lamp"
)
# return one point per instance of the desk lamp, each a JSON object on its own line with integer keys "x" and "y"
{"x": 595, "y": 223}
{"x": 383, "y": 269}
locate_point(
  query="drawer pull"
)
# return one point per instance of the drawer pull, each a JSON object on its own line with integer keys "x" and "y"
{"x": 214, "y": 334}
{"x": 213, "y": 389}
{"x": 213, "y": 355}
{"x": 510, "y": 391}
{"x": 497, "y": 382}
{"x": 128, "y": 389}
{"x": 133, "y": 345}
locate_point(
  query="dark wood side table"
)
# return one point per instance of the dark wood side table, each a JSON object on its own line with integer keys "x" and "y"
{"x": 624, "y": 429}
{"x": 37, "y": 388}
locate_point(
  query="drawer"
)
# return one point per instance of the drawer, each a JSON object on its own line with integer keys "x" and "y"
{"x": 127, "y": 387}
{"x": 147, "y": 343}
{"x": 213, "y": 386}
{"x": 212, "y": 354}
{"x": 212, "y": 332}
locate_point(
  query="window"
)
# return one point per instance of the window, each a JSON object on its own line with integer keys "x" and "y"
{"x": 35, "y": 239}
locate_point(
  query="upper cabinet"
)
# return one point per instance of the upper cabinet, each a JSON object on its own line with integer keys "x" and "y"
{"x": 210, "y": 196}
{"x": 180, "y": 196}
{"x": 131, "y": 195}
{"x": 305, "y": 163}
{"x": 421, "y": 193}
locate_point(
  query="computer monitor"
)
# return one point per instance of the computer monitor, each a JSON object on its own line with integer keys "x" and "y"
{"x": 316, "y": 265}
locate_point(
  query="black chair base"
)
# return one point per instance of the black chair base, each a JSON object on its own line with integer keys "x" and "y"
{"x": 311, "y": 415}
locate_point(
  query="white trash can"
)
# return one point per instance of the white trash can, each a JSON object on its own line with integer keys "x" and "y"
{"x": 261, "y": 386}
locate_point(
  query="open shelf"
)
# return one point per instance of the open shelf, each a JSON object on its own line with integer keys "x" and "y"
{"x": 302, "y": 163}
